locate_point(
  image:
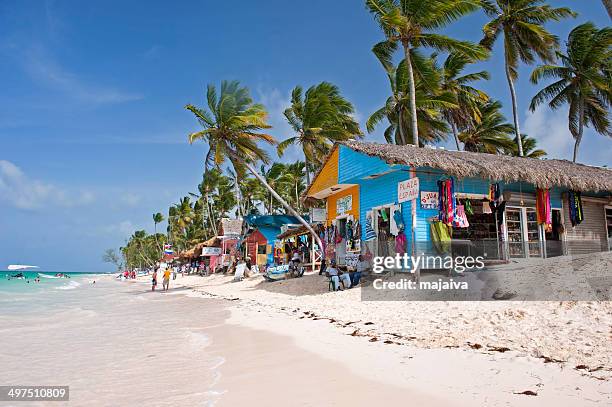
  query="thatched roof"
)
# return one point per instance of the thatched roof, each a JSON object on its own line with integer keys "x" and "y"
{"x": 461, "y": 164}
{"x": 297, "y": 231}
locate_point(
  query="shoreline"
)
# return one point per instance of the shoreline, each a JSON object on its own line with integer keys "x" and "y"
{"x": 489, "y": 373}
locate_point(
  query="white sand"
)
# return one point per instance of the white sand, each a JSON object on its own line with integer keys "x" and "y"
{"x": 451, "y": 346}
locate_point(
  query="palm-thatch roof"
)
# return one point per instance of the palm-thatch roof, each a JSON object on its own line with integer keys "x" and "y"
{"x": 543, "y": 173}
{"x": 297, "y": 231}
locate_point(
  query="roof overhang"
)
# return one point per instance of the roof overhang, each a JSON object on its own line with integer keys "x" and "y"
{"x": 334, "y": 189}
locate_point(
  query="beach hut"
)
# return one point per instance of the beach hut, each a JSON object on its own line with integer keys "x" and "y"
{"x": 299, "y": 238}
{"x": 382, "y": 199}
{"x": 261, "y": 236}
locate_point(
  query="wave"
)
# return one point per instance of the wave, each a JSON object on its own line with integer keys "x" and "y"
{"x": 70, "y": 286}
{"x": 47, "y": 275}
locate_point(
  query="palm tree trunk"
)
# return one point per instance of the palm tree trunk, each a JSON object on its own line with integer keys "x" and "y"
{"x": 413, "y": 111}
{"x": 580, "y": 131}
{"x": 297, "y": 196}
{"x": 452, "y": 123}
{"x": 517, "y": 130}
{"x": 284, "y": 203}
{"x": 211, "y": 218}
{"x": 400, "y": 119}
{"x": 608, "y": 4}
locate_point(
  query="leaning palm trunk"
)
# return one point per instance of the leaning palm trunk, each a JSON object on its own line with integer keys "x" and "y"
{"x": 580, "y": 131}
{"x": 413, "y": 111}
{"x": 517, "y": 131}
{"x": 454, "y": 127}
{"x": 608, "y": 4}
{"x": 284, "y": 203}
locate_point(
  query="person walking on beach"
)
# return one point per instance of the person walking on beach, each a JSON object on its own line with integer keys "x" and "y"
{"x": 154, "y": 280}
{"x": 166, "y": 281}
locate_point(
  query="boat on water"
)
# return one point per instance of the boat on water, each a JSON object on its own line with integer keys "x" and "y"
{"x": 19, "y": 276}
{"x": 17, "y": 267}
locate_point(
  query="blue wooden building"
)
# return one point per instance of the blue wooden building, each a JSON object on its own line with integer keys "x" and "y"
{"x": 365, "y": 182}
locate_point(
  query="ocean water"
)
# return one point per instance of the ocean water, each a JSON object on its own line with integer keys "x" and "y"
{"x": 112, "y": 342}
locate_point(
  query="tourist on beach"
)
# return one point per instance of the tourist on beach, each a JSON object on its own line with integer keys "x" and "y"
{"x": 154, "y": 280}
{"x": 332, "y": 271}
{"x": 166, "y": 280}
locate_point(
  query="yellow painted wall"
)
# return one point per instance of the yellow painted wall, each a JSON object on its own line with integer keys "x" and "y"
{"x": 328, "y": 176}
{"x": 331, "y": 203}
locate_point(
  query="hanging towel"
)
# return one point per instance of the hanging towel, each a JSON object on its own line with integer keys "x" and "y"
{"x": 543, "y": 210}
{"x": 440, "y": 237}
{"x": 369, "y": 226}
{"x": 400, "y": 243}
{"x": 576, "y": 213}
{"x": 460, "y": 220}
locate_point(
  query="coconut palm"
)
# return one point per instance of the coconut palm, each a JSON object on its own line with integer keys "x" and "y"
{"x": 410, "y": 23}
{"x": 583, "y": 81}
{"x": 521, "y": 23}
{"x": 529, "y": 148}
{"x": 157, "y": 218}
{"x": 430, "y": 98}
{"x": 608, "y": 6}
{"x": 492, "y": 134}
{"x": 292, "y": 178}
{"x": 319, "y": 118}
{"x": 467, "y": 97}
{"x": 233, "y": 126}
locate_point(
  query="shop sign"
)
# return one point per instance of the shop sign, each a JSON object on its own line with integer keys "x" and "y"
{"x": 211, "y": 251}
{"x": 318, "y": 215}
{"x": 344, "y": 204}
{"x": 429, "y": 200}
{"x": 408, "y": 190}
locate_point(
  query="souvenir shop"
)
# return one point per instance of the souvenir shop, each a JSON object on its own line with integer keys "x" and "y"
{"x": 299, "y": 239}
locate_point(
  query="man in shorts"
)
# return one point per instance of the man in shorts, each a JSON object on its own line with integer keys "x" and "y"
{"x": 166, "y": 281}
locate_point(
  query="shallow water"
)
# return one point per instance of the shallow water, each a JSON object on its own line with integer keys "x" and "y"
{"x": 113, "y": 343}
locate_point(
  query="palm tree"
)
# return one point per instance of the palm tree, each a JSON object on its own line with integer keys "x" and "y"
{"x": 521, "y": 22}
{"x": 529, "y": 148}
{"x": 583, "y": 81}
{"x": 409, "y": 23}
{"x": 292, "y": 178}
{"x": 492, "y": 134}
{"x": 608, "y": 5}
{"x": 157, "y": 218}
{"x": 430, "y": 98}
{"x": 467, "y": 97}
{"x": 319, "y": 118}
{"x": 233, "y": 126}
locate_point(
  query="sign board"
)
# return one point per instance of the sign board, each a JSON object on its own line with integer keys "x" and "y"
{"x": 408, "y": 190}
{"x": 318, "y": 215}
{"x": 429, "y": 200}
{"x": 231, "y": 227}
{"x": 211, "y": 251}
{"x": 283, "y": 268}
{"x": 344, "y": 204}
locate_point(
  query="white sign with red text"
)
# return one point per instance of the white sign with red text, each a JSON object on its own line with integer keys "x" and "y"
{"x": 408, "y": 190}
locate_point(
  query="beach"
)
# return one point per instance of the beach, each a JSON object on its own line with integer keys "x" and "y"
{"x": 211, "y": 341}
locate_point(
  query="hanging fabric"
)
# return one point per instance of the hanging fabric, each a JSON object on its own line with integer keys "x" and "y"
{"x": 460, "y": 219}
{"x": 440, "y": 236}
{"x": 446, "y": 201}
{"x": 468, "y": 207}
{"x": 543, "y": 210}
{"x": 576, "y": 214}
{"x": 369, "y": 226}
{"x": 400, "y": 243}
{"x": 398, "y": 219}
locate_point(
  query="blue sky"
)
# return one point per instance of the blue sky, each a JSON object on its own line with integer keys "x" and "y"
{"x": 92, "y": 121}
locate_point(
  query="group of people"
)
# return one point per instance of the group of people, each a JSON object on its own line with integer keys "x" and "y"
{"x": 166, "y": 272}
{"x": 347, "y": 278}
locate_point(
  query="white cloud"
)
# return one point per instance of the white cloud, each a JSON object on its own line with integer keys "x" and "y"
{"x": 549, "y": 128}
{"x": 45, "y": 70}
{"x": 22, "y": 192}
{"x": 130, "y": 199}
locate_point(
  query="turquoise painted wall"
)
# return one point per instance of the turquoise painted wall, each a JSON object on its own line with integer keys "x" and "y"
{"x": 354, "y": 166}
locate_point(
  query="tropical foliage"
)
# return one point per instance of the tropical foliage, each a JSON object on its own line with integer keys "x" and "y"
{"x": 583, "y": 81}
{"x": 521, "y": 24}
{"x": 319, "y": 118}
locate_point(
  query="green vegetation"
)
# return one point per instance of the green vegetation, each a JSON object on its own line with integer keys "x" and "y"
{"x": 433, "y": 94}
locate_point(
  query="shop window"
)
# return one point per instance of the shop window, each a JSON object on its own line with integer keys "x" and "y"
{"x": 261, "y": 249}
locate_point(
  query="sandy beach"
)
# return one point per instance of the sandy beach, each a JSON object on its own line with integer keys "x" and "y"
{"x": 457, "y": 353}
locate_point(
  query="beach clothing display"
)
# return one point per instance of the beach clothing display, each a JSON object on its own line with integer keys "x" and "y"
{"x": 398, "y": 219}
{"x": 369, "y": 226}
{"x": 468, "y": 207}
{"x": 440, "y": 236}
{"x": 543, "y": 209}
{"x": 446, "y": 201}
{"x": 576, "y": 213}
{"x": 400, "y": 243}
{"x": 460, "y": 219}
